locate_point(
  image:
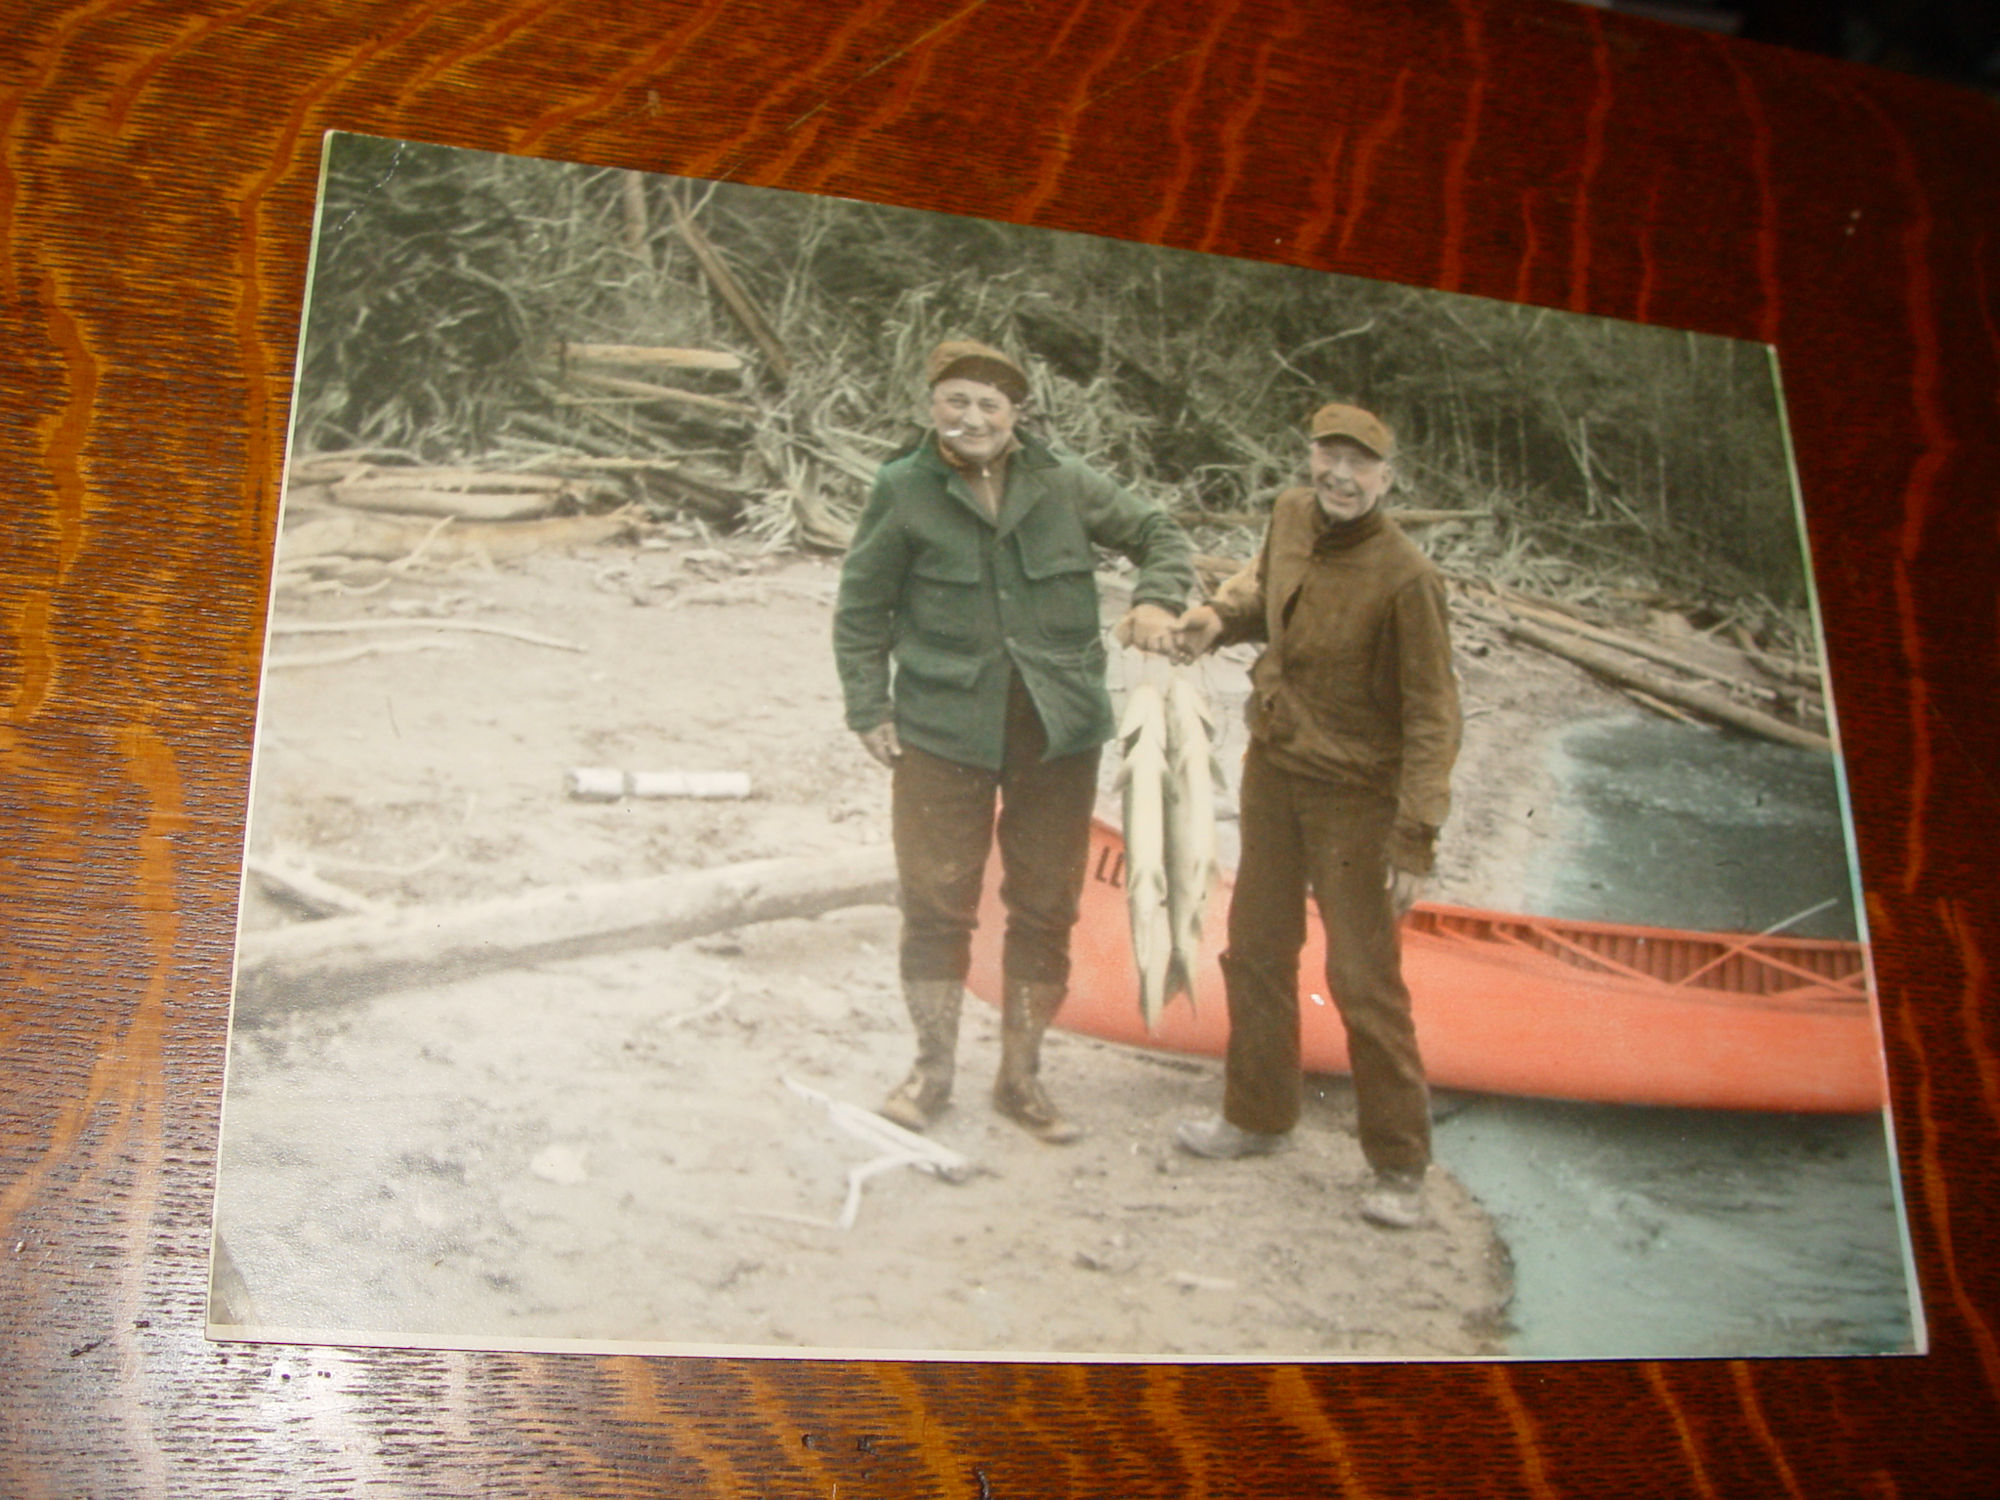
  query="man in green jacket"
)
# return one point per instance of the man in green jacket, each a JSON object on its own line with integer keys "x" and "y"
{"x": 1354, "y": 725}
{"x": 972, "y": 661}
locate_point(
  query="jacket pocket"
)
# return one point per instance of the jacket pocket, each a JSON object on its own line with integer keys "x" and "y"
{"x": 1084, "y": 660}
{"x": 936, "y": 665}
{"x": 1067, "y": 684}
{"x": 943, "y": 599}
{"x": 1061, "y": 576}
{"x": 1052, "y": 541}
{"x": 936, "y": 565}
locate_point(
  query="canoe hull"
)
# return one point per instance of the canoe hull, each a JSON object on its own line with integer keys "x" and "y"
{"x": 1585, "y": 1011}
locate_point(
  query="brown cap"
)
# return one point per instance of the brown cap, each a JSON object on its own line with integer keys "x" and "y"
{"x": 1363, "y": 427}
{"x": 967, "y": 359}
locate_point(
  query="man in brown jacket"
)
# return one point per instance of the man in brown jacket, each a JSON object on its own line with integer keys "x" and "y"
{"x": 1354, "y": 724}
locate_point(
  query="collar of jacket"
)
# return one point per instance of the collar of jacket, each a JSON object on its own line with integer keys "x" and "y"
{"x": 1028, "y": 457}
{"x": 1341, "y": 536}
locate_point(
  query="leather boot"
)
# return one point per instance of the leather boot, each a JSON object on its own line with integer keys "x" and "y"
{"x": 1025, "y": 1012}
{"x": 934, "y": 1005}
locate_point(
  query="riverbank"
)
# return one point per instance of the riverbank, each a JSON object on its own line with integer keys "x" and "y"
{"x": 606, "y": 1152}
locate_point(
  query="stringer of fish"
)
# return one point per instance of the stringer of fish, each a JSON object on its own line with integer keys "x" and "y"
{"x": 1191, "y": 780}
{"x": 1142, "y": 776}
{"x": 1168, "y": 775}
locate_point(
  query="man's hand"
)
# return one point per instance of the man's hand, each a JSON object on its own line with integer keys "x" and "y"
{"x": 1404, "y": 887}
{"x": 1196, "y": 631}
{"x": 881, "y": 742}
{"x": 1147, "y": 627}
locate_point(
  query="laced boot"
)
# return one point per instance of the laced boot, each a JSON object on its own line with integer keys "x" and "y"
{"x": 920, "y": 1098}
{"x": 1025, "y": 1012}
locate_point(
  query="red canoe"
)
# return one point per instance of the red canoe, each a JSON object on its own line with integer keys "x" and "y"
{"x": 1595, "y": 1011}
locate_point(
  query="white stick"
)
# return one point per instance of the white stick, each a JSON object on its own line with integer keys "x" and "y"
{"x": 887, "y": 1135}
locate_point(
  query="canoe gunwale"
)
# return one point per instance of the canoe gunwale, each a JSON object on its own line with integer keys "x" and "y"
{"x": 1774, "y": 960}
{"x": 1528, "y": 1006}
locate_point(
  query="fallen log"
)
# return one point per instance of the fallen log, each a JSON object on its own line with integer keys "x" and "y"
{"x": 1696, "y": 700}
{"x": 731, "y": 290}
{"x": 454, "y": 481}
{"x": 348, "y": 958}
{"x": 399, "y": 498}
{"x": 649, "y": 355}
{"x": 1798, "y": 673}
{"x": 386, "y": 540}
{"x": 1665, "y": 656}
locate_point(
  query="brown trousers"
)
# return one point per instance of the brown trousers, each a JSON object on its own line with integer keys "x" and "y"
{"x": 941, "y": 816}
{"x": 1301, "y": 833}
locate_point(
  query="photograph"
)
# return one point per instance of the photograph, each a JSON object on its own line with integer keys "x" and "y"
{"x": 834, "y": 780}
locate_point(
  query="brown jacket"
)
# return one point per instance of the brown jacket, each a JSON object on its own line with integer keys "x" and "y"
{"x": 1355, "y": 684}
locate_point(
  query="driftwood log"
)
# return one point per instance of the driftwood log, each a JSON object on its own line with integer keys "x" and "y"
{"x": 653, "y": 356}
{"x": 731, "y": 291}
{"x": 347, "y": 958}
{"x": 1666, "y": 656}
{"x": 470, "y": 494}
{"x": 1709, "y": 705}
{"x": 387, "y": 539}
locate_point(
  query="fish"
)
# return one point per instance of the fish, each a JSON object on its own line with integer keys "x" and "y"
{"x": 1142, "y": 776}
{"x": 1190, "y": 824}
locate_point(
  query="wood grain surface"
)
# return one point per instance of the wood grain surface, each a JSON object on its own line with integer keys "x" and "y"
{"x": 158, "y": 161}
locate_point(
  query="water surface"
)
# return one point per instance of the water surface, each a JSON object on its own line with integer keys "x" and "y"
{"x": 1652, "y": 1232}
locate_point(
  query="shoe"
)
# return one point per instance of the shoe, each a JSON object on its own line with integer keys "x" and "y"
{"x": 914, "y": 1104}
{"x": 1029, "y": 1106}
{"x": 1025, "y": 1012}
{"x": 1394, "y": 1201}
{"x": 1217, "y": 1139}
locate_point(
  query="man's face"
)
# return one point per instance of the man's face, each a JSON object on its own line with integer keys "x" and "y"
{"x": 975, "y": 420}
{"x": 1348, "y": 480}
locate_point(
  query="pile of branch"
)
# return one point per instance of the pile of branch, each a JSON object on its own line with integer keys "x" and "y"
{"x": 746, "y": 364}
{"x": 1695, "y": 680}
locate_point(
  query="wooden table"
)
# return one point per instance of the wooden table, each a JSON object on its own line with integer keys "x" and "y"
{"x": 157, "y": 170}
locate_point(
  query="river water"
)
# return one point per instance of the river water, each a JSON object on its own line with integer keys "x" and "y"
{"x": 1641, "y": 1232}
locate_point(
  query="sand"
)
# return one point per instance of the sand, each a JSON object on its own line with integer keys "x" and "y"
{"x": 611, "y": 1152}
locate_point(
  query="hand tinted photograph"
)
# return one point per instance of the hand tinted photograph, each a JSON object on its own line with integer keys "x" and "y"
{"x": 837, "y": 780}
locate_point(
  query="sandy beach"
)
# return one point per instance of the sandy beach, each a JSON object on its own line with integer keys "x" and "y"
{"x": 645, "y": 1148}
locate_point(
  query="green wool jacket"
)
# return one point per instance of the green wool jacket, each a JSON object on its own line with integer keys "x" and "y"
{"x": 958, "y": 600}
